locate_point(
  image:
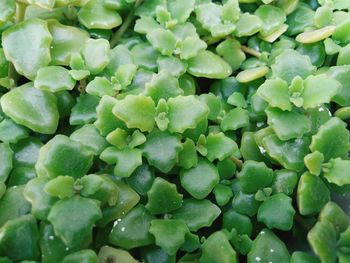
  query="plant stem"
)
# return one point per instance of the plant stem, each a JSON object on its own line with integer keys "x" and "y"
{"x": 250, "y": 51}
{"x": 129, "y": 19}
{"x": 237, "y": 162}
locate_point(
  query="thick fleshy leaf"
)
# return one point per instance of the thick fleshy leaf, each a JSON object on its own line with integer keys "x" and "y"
{"x": 322, "y": 238}
{"x": 336, "y": 171}
{"x": 290, "y": 154}
{"x": 220, "y": 147}
{"x": 332, "y": 139}
{"x": 272, "y": 18}
{"x": 217, "y": 248}
{"x": 247, "y": 25}
{"x": 161, "y": 150}
{"x": 95, "y": 14}
{"x": 277, "y": 212}
{"x": 61, "y": 155}
{"x": 181, "y": 9}
{"x": 96, "y": 55}
{"x": 291, "y": 63}
{"x": 169, "y": 234}
{"x": 33, "y": 108}
{"x": 200, "y": 180}
{"x": 163, "y": 197}
{"x": 6, "y": 163}
{"x": 67, "y": 41}
{"x": 208, "y": 65}
{"x": 197, "y": 213}
{"x": 7, "y": 10}
{"x": 319, "y": 89}
{"x": 280, "y": 121}
{"x": 275, "y": 92}
{"x": 312, "y": 194}
{"x": 27, "y": 46}
{"x": 54, "y": 79}
{"x": 162, "y": 40}
{"x": 185, "y": 112}
{"x": 230, "y": 50}
{"x": 267, "y": 247}
{"x": 79, "y": 230}
{"x": 132, "y": 230}
{"x": 137, "y": 111}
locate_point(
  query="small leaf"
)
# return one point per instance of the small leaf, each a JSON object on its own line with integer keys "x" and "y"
{"x": 185, "y": 112}
{"x": 96, "y": 55}
{"x": 162, "y": 40}
{"x": 69, "y": 210}
{"x": 220, "y": 147}
{"x": 335, "y": 171}
{"x": 137, "y": 111}
{"x": 61, "y": 186}
{"x": 54, "y": 79}
{"x": 169, "y": 234}
{"x": 27, "y": 46}
{"x": 100, "y": 86}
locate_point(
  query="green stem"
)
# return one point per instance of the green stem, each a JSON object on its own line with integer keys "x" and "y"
{"x": 237, "y": 162}
{"x": 129, "y": 19}
{"x": 20, "y": 13}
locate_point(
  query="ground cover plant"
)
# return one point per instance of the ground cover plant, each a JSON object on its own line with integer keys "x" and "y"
{"x": 165, "y": 131}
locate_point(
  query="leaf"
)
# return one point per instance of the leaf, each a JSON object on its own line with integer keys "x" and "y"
{"x": 220, "y": 147}
{"x": 7, "y": 10}
{"x": 268, "y": 248}
{"x": 169, "y": 234}
{"x": 161, "y": 150}
{"x": 79, "y": 229}
{"x": 331, "y": 139}
{"x": 208, "y": 65}
{"x": 137, "y": 111}
{"x": 162, "y": 40}
{"x": 291, "y": 63}
{"x": 61, "y": 155}
{"x": 322, "y": 239}
{"x": 6, "y": 162}
{"x": 275, "y": 92}
{"x": 95, "y": 14}
{"x": 197, "y": 213}
{"x": 280, "y": 121}
{"x": 163, "y": 197}
{"x": 335, "y": 171}
{"x": 96, "y": 55}
{"x": 27, "y": 46}
{"x": 185, "y": 112}
{"x": 319, "y": 89}
{"x": 33, "y": 108}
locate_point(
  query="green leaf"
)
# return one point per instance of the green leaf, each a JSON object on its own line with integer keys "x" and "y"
{"x": 235, "y": 119}
{"x": 220, "y": 147}
{"x": 181, "y": 9}
{"x": 69, "y": 210}
{"x": 332, "y": 139}
{"x": 84, "y": 111}
{"x": 275, "y": 92}
{"x": 7, "y": 10}
{"x": 312, "y": 194}
{"x": 19, "y": 238}
{"x": 197, "y": 213}
{"x": 188, "y": 155}
{"x": 33, "y": 108}
{"x": 77, "y": 159}
{"x": 96, "y": 55}
{"x": 319, "y": 89}
{"x": 163, "y": 86}
{"x": 161, "y": 150}
{"x": 313, "y": 162}
{"x": 85, "y": 255}
{"x": 280, "y": 122}
{"x": 185, "y": 112}
{"x": 335, "y": 215}
{"x": 6, "y": 164}
{"x": 335, "y": 171}
{"x": 11, "y": 132}
{"x": 117, "y": 255}
{"x": 169, "y": 234}
{"x": 290, "y": 154}
{"x": 217, "y": 249}
{"x": 267, "y": 247}
{"x": 162, "y": 40}
{"x": 208, "y": 65}
{"x": 61, "y": 186}
{"x": 95, "y": 14}
{"x": 100, "y": 86}
{"x": 254, "y": 176}
{"x": 163, "y": 197}
{"x": 230, "y": 50}
{"x": 27, "y": 46}
{"x": 66, "y": 42}
{"x": 277, "y": 212}
{"x": 200, "y": 180}
{"x": 54, "y": 79}
{"x": 132, "y": 230}
{"x": 291, "y": 63}
{"x": 137, "y": 111}
{"x": 271, "y": 17}
{"x": 322, "y": 239}
{"x": 247, "y": 25}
